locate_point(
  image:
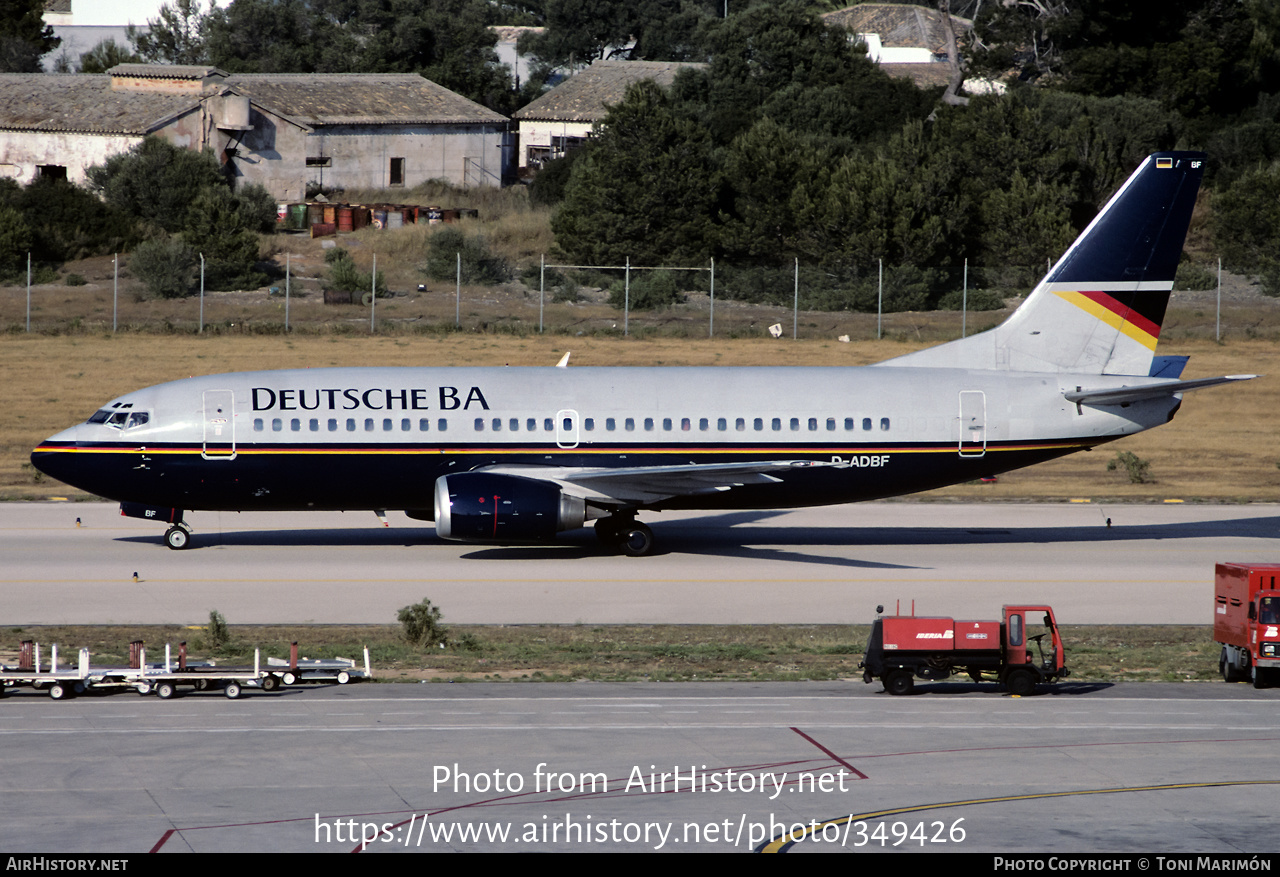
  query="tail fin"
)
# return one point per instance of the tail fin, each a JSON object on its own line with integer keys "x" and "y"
{"x": 1099, "y": 309}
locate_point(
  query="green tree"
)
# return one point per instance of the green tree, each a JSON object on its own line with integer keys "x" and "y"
{"x": 24, "y": 37}
{"x": 1246, "y": 225}
{"x": 645, "y": 189}
{"x": 155, "y": 180}
{"x": 279, "y": 36}
{"x": 220, "y": 228}
{"x": 177, "y": 36}
{"x": 15, "y": 240}
{"x": 105, "y": 55}
{"x": 166, "y": 265}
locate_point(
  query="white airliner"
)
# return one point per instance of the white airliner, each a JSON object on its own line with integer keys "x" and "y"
{"x": 509, "y": 455}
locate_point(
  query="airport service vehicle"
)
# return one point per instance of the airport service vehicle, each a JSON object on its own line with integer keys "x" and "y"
{"x": 1246, "y": 622}
{"x": 512, "y": 455}
{"x": 903, "y": 647}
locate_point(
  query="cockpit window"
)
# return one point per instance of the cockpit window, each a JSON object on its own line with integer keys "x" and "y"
{"x": 120, "y": 419}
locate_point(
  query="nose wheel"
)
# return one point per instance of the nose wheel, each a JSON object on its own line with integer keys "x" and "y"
{"x": 178, "y": 537}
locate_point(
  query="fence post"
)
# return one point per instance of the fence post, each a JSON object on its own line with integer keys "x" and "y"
{"x": 711, "y": 319}
{"x": 115, "y": 291}
{"x": 201, "y": 324}
{"x": 457, "y": 307}
{"x": 542, "y": 288}
{"x": 373, "y": 294}
{"x": 287, "y": 257}
{"x": 964, "y": 301}
{"x": 28, "y": 290}
{"x": 880, "y": 302}
{"x": 795, "y": 305}
{"x": 626, "y": 299}
{"x": 1217, "y": 332}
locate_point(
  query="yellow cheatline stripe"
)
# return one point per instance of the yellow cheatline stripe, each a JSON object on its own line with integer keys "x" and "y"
{"x": 774, "y": 452}
{"x": 781, "y": 843}
{"x": 1110, "y": 317}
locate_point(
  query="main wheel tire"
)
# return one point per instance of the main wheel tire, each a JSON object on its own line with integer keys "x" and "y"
{"x": 636, "y": 540}
{"x": 1021, "y": 683}
{"x": 166, "y": 690}
{"x": 59, "y": 691}
{"x": 343, "y": 677}
{"x": 177, "y": 538}
{"x": 232, "y": 691}
{"x": 270, "y": 683}
{"x": 899, "y": 682}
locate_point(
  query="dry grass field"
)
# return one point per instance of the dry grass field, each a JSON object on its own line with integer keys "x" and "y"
{"x": 1222, "y": 446}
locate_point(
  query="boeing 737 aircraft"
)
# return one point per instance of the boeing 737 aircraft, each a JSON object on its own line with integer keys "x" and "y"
{"x": 508, "y": 455}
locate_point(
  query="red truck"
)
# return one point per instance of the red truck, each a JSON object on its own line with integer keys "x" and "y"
{"x": 1246, "y": 622}
{"x": 903, "y": 647}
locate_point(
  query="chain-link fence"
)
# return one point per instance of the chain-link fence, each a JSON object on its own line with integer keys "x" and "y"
{"x": 713, "y": 299}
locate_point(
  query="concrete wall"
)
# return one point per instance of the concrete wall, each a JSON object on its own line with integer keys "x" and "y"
{"x": 21, "y": 152}
{"x": 359, "y": 156}
{"x": 273, "y": 155}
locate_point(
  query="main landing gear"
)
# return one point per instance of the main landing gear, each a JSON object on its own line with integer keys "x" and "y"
{"x": 178, "y": 537}
{"x": 626, "y": 534}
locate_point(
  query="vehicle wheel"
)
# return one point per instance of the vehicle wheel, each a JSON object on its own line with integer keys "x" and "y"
{"x": 202, "y": 685}
{"x": 143, "y": 688}
{"x": 232, "y": 691}
{"x": 270, "y": 683}
{"x": 1261, "y": 677}
{"x": 344, "y": 677}
{"x": 636, "y": 540}
{"x": 290, "y": 679}
{"x": 165, "y": 690}
{"x": 59, "y": 691}
{"x": 177, "y": 538}
{"x": 1222, "y": 666}
{"x": 1020, "y": 683}
{"x": 899, "y": 682}
{"x": 366, "y": 299}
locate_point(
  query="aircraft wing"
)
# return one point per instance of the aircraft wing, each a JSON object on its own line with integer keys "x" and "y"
{"x": 1118, "y": 395}
{"x": 630, "y": 485}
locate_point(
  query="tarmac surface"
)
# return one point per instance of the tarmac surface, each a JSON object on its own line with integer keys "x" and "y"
{"x": 1182, "y": 769}
{"x": 1152, "y": 565}
{"x": 1174, "y": 770}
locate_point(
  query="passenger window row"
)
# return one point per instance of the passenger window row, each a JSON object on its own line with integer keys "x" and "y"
{"x": 513, "y": 424}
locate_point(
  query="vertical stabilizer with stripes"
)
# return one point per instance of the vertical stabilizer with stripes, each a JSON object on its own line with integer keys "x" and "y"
{"x": 1099, "y": 309}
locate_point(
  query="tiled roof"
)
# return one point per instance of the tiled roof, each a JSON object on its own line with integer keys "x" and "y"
{"x": 361, "y": 99}
{"x": 165, "y": 71}
{"x": 78, "y": 102}
{"x": 586, "y": 96}
{"x": 86, "y": 102}
{"x": 899, "y": 25}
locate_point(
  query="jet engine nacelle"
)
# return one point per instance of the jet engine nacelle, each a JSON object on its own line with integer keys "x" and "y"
{"x": 484, "y": 507}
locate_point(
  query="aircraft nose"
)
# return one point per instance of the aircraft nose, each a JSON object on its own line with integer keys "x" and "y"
{"x": 54, "y": 456}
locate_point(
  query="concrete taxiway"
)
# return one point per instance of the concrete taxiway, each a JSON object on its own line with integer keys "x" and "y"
{"x": 1137, "y": 768}
{"x": 1150, "y": 564}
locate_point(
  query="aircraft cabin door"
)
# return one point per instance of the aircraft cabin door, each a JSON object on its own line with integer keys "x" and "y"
{"x": 973, "y": 423}
{"x": 567, "y": 428}
{"x": 219, "y": 425}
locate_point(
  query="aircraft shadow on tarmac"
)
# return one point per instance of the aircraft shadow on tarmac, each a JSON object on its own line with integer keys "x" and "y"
{"x": 724, "y": 535}
{"x": 1061, "y": 689}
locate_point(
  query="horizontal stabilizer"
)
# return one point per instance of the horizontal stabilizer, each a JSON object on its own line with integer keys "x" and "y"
{"x": 1119, "y": 395}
